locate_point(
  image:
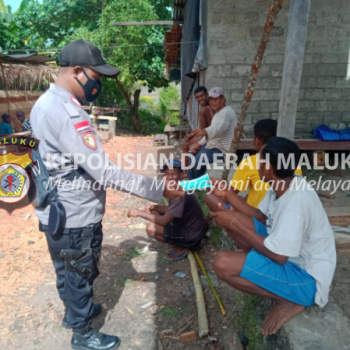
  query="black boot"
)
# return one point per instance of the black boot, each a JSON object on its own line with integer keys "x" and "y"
{"x": 89, "y": 339}
{"x": 96, "y": 311}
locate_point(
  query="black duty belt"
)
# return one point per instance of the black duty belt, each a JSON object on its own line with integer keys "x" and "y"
{"x": 67, "y": 231}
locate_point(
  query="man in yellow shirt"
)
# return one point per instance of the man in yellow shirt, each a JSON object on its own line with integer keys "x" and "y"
{"x": 247, "y": 175}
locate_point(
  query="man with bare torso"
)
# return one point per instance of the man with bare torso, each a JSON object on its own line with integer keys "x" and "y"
{"x": 205, "y": 116}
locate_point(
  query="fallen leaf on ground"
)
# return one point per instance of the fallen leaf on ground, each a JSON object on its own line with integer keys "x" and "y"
{"x": 132, "y": 312}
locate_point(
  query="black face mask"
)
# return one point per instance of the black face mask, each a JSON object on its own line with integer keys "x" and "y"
{"x": 92, "y": 88}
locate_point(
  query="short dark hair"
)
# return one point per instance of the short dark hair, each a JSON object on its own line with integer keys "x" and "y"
{"x": 281, "y": 147}
{"x": 200, "y": 89}
{"x": 265, "y": 129}
{"x": 4, "y": 116}
{"x": 20, "y": 113}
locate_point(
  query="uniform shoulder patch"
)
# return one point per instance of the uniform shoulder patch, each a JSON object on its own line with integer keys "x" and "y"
{"x": 90, "y": 141}
{"x": 82, "y": 127}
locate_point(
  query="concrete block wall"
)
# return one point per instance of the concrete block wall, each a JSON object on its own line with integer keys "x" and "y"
{"x": 235, "y": 28}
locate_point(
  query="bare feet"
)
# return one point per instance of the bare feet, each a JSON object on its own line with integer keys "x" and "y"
{"x": 279, "y": 315}
{"x": 178, "y": 251}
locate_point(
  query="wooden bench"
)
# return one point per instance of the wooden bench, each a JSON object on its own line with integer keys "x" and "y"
{"x": 160, "y": 140}
{"x": 111, "y": 126}
{"x": 304, "y": 145}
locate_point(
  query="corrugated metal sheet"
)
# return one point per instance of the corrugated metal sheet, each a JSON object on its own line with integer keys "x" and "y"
{"x": 25, "y": 58}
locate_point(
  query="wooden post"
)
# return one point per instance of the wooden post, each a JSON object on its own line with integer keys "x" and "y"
{"x": 94, "y": 120}
{"x": 293, "y": 66}
{"x": 113, "y": 125}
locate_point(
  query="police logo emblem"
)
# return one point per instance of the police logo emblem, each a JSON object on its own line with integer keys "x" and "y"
{"x": 17, "y": 188}
{"x": 90, "y": 141}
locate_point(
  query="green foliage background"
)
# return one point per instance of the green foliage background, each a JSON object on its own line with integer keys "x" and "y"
{"x": 137, "y": 50}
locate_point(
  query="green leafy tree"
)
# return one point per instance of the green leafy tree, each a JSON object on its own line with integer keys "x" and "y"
{"x": 23, "y": 6}
{"x": 3, "y": 8}
{"x": 136, "y": 50}
{"x": 9, "y": 35}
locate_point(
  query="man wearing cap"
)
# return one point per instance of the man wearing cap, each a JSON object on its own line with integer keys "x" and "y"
{"x": 181, "y": 223}
{"x": 24, "y": 122}
{"x": 217, "y": 138}
{"x": 67, "y": 138}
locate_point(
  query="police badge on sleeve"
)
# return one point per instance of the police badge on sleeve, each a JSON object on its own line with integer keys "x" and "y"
{"x": 17, "y": 187}
{"x": 90, "y": 141}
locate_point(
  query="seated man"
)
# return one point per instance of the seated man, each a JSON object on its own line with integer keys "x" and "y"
{"x": 205, "y": 116}
{"x": 25, "y": 122}
{"x": 181, "y": 223}
{"x": 247, "y": 176}
{"x": 288, "y": 244}
{"x": 215, "y": 139}
{"x": 5, "y": 126}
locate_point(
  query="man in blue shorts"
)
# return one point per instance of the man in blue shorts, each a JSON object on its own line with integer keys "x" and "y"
{"x": 288, "y": 245}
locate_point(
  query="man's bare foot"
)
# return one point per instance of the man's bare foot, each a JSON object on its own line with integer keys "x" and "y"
{"x": 279, "y": 315}
{"x": 177, "y": 251}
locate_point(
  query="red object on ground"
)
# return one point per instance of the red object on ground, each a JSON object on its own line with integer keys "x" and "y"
{"x": 188, "y": 337}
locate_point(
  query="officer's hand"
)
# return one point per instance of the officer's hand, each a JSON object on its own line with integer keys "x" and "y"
{"x": 150, "y": 208}
{"x": 133, "y": 213}
{"x": 173, "y": 190}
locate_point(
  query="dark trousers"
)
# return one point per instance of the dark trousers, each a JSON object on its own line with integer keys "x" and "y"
{"x": 206, "y": 155}
{"x": 75, "y": 291}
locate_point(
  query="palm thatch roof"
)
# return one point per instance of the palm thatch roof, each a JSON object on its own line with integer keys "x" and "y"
{"x": 26, "y": 77}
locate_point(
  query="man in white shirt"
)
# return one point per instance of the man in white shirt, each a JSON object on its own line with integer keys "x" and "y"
{"x": 216, "y": 139}
{"x": 288, "y": 245}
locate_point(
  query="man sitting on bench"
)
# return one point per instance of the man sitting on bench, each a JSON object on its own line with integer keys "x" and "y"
{"x": 216, "y": 139}
{"x": 288, "y": 244}
{"x": 205, "y": 116}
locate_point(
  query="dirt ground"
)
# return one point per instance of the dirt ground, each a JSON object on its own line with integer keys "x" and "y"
{"x": 144, "y": 303}
{"x": 133, "y": 276}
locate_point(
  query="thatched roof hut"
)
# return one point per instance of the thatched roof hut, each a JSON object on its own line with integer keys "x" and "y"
{"x": 23, "y": 78}
{"x": 26, "y": 77}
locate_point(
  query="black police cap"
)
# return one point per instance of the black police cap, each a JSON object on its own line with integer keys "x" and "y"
{"x": 85, "y": 54}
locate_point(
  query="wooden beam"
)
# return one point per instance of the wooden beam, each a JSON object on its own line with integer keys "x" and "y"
{"x": 150, "y": 23}
{"x": 103, "y": 117}
{"x": 342, "y": 244}
{"x": 293, "y": 66}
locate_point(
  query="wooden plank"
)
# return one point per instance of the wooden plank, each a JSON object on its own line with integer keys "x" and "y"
{"x": 148, "y": 23}
{"x": 293, "y": 66}
{"x": 104, "y": 108}
{"x": 103, "y": 117}
{"x": 338, "y": 211}
{"x": 342, "y": 244}
{"x": 339, "y": 220}
{"x": 304, "y": 145}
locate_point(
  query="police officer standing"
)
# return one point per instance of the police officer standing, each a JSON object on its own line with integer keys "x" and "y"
{"x": 72, "y": 223}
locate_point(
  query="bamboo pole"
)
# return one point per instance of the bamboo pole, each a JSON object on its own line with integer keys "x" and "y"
{"x": 148, "y": 23}
{"x": 270, "y": 21}
{"x": 202, "y": 312}
{"x": 210, "y": 284}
